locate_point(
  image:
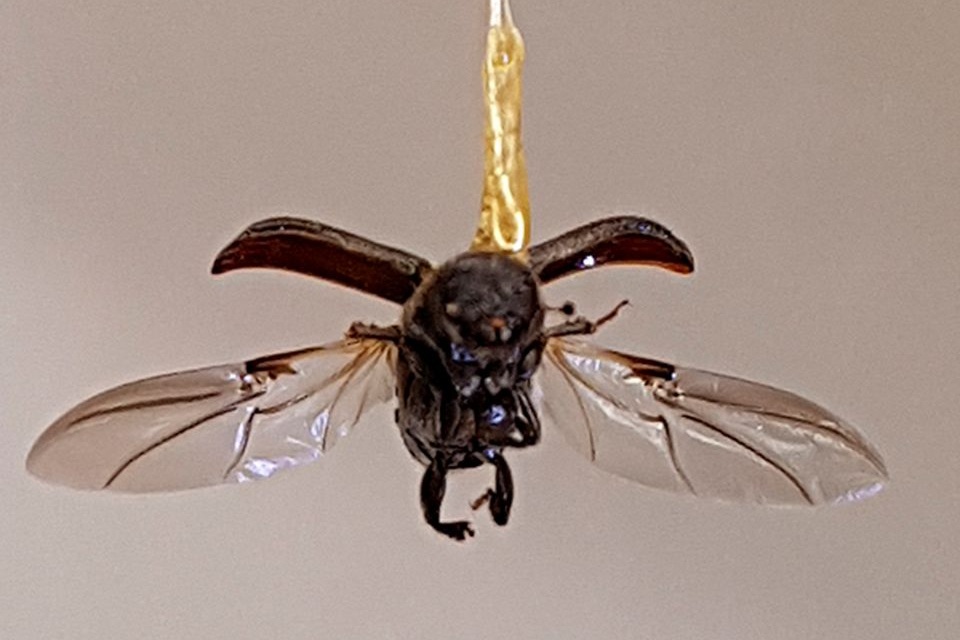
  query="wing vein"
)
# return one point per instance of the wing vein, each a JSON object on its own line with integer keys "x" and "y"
{"x": 872, "y": 457}
{"x": 179, "y": 432}
{"x": 362, "y": 405}
{"x": 356, "y": 366}
{"x": 247, "y": 432}
{"x": 672, "y": 451}
{"x": 583, "y": 409}
{"x": 619, "y": 404}
{"x": 143, "y": 404}
{"x": 759, "y": 454}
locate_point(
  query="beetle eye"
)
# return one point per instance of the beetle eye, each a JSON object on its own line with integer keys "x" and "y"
{"x": 461, "y": 355}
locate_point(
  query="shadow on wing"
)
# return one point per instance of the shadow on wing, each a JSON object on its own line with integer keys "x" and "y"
{"x": 704, "y": 433}
{"x": 221, "y": 424}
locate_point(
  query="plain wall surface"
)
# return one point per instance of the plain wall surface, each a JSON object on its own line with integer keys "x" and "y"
{"x": 809, "y": 154}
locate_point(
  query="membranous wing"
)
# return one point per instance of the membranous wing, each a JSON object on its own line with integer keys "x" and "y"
{"x": 704, "y": 433}
{"x": 221, "y": 424}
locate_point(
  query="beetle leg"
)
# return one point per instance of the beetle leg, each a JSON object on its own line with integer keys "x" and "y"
{"x": 530, "y": 424}
{"x": 361, "y": 330}
{"x": 432, "y": 488}
{"x": 583, "y": 326}
{"x": 500, "y": 499}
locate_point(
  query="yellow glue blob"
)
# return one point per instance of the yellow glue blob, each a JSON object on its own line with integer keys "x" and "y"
{"x": 505, "y": 206}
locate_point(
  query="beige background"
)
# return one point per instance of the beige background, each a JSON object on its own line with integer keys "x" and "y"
{"x": 807, "y": 151}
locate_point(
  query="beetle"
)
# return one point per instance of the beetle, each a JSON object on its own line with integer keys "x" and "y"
{"x": 473, "y": 349}
{"x": 470, "y": 346}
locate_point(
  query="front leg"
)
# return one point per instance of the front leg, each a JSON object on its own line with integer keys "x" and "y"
{"x": 582, "y": 326}
{"x": 432, "y": 488}
{"x": 362, "y": 330}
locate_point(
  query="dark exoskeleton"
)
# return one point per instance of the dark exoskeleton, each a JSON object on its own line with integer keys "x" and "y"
{"x": 471, "y": 334}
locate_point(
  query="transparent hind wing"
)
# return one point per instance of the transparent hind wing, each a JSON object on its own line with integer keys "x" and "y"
{"x": 704, "y": 433}
{"x": 220, "y": 424}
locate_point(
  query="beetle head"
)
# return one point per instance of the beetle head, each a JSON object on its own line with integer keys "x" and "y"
{"x": 484, "y": 314}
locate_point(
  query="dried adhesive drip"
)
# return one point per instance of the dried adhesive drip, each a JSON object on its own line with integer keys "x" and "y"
{"x": 505, "y": 206}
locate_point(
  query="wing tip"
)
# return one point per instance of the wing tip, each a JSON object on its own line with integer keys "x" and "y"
{"x": 38, "y": 466}
{"x": 862, "y": 492}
